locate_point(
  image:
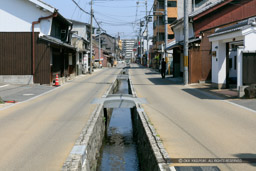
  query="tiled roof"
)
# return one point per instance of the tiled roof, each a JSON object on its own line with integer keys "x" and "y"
{"x": 43, "y": 5}
{"x": 199, "y": 11}
{"x": 239, "y": 26}
{"x": 56, "y": 41}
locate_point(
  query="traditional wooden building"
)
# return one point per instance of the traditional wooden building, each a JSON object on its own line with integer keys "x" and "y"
{"x": 205, "y": 22}
{"x": 202, "y": 23}
{"x": 35, "y": 43}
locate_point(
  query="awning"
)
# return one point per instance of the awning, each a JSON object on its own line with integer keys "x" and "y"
{"x": 181, "y": 43}
{"x": 174, "y": 46}
{"x": 56, "y": 41}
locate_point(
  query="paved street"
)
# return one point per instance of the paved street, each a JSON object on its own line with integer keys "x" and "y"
{"x": 39, "y": 134}
{"x": 196, "y": 124}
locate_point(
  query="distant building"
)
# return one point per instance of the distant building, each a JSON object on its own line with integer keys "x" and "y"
{"x": 174, "y": 11}
{"x": 80, "y": 39}
{"x": 128, "y": 46}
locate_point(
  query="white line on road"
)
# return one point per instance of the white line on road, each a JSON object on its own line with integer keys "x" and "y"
{"x": 4, "y": 86}
{"x": 246, "y": 108}
{"x": 30, "y": 99}
{"x": 28, "y": 94}
{"x": 224, "y": 100}
{"x": 47, "y": 92}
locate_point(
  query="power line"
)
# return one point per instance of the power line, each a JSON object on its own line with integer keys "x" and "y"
{"x": 80, "y": 7}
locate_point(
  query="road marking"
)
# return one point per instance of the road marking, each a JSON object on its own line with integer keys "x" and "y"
{"x": 172, "y": 168}
{"x": 47, "y": 92}
{"x": 221, "y": 99}
{"x": 4, "y": 86}
{"x": 238, "y": 105}
{"x": 28, "y": 94}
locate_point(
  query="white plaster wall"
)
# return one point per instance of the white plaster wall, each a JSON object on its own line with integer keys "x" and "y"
{"x": 179, "y": 34}
{"x": 249, "y": 40}
{"x": 215, "y": 65}
{"x": 219, "y": 63}
{"x": 81, "y": 29}
{"x": 240, "y": 66}
{"x": 180, "y": 7}
{"x": 18, "y": 15}
{"x": 221, "y": 54}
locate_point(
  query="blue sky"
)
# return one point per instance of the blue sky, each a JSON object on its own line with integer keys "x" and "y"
{"x": 115, "y": 16}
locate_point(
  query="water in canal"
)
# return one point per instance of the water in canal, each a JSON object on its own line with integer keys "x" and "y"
{"x": 119, "y": 149}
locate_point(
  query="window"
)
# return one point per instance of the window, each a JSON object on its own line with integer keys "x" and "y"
{"x": 170, "y": 36}
{"x": 172, "y": 4}
{"x": 235, "y": 62}
{"x": 171, "y": 20}
{"x": 161, "y": 37}
{"x": 160, "y": 20}
{"x": 198, "y": 3}
{"x": 160, "y": 4}
{"x": 230, "y": 63}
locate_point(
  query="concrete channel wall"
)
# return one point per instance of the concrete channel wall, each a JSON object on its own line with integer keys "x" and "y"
{"x": 151, "y": 152}
{"x": 85, "y": 153}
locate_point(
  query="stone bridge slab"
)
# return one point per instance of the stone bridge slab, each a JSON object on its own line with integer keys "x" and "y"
{"x": 119, "y": 101}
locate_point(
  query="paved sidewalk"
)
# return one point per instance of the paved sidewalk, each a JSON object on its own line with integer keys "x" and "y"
{"x": 230, "y": 95}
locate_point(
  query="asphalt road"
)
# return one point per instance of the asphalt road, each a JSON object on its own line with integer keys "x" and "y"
{"x": 39, "y": 134}
{"x": 193, "y": 124}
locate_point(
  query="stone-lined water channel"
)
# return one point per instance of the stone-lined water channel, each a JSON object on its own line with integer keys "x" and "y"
{"x": 119, "y": 150}
{"x": 118, "y": 139}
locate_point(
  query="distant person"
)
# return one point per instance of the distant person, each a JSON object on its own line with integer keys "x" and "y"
{"x": 163, "y": 68}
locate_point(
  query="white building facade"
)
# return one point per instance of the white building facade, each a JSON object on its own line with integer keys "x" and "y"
{"x": 242, "y": 36}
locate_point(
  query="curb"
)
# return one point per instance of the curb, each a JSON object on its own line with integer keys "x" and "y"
{"x": 160, "y": 152}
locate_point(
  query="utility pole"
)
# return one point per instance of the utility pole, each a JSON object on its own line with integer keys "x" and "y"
{"x": 165, "y": 29}
{"x": 141, "y": 55}
{"x": 99, "y": 48}
{"x": 185, "y": 72}
{"x": 147, "y": 20}
{"x": 91, "y": 41}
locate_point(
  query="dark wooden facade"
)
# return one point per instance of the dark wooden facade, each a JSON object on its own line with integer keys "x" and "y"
{"x": 16, "y": 56}
{"x": 249, "y": 69}
{"x": 195, "y": 65}
{"x": 42, "y": 62}
{"x": 50, "y": 59}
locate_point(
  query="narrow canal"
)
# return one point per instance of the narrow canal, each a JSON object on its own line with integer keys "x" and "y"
{"x": 119, "y": 149}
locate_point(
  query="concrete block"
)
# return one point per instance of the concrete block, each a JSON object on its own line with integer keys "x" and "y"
{"x": 17, "y": 79}
{"x": 241, "y": 91}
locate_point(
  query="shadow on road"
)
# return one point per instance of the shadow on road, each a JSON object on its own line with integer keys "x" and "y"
{"x": 247, "y": 157}
{"x": 152, "y": 73}
{"x": 166, "y": 81}
{"x": 159, "y": 81}
{"x": 201, "y": 94}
